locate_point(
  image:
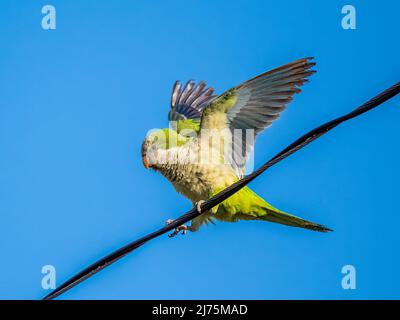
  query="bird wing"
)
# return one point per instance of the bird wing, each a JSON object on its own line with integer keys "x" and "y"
{"x": 254, "y": 105}
{"x": 187, "y": 104}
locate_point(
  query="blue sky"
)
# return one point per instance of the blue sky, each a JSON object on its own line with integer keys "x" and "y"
{"x": 76, "y": 103}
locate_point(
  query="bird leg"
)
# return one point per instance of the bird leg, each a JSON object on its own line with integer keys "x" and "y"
{"x": 183, "y": 228}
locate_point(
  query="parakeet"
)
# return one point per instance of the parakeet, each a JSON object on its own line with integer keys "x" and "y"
{"x": 210, "y": 137}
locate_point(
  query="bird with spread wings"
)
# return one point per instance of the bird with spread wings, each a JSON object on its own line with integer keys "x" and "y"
{"x": 210, "y": 137}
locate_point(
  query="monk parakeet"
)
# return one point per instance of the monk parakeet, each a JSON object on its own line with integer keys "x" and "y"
{"x": 210, "y": 137}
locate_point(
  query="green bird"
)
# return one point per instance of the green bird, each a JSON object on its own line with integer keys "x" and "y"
{"x": 210, "y": 138}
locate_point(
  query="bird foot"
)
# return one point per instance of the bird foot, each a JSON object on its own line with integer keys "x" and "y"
{"x": 182, "y": 229}
{"x": 198, "y": 205}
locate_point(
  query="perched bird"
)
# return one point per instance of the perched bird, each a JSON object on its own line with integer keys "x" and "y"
{"x": 210, "y": 137}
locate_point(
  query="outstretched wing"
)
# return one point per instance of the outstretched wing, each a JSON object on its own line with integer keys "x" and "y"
{"x": 254, "y": 105}
{"x": 187, "y": 104}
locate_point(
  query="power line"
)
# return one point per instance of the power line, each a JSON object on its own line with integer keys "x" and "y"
{"x": 223, "y": 195}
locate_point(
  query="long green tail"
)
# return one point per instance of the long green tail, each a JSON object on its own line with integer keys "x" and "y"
{"x": 247, "y": 205}
{"x": 275, "y": 215}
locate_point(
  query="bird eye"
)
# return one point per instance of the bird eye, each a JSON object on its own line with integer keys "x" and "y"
{"x": 153, "y": 147}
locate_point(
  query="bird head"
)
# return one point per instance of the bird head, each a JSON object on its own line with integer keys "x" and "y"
{"x": 155, "y": 140}
{"x": 157, "y": 144}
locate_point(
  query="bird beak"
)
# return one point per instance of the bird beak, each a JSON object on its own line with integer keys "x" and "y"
{"x": 146, "y": 162}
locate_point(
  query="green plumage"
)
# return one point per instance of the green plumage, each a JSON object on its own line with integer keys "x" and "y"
{"x": 247, "y": 205}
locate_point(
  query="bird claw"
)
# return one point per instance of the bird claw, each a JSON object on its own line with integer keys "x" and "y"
{"x": 182, "y": 229}
{"x": 198, "y": 205}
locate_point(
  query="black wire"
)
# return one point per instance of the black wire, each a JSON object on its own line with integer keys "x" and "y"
{"x": 223, "y": 195}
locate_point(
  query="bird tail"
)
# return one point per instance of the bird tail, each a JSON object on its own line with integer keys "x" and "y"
{"x": 275, "y": 215}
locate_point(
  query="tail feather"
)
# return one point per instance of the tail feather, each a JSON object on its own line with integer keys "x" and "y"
{"x": 275, "y": 215}
{"x": 247, "y": 205}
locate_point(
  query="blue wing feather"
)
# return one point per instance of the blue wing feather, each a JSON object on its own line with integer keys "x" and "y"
{"x": 189, "y": 102}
